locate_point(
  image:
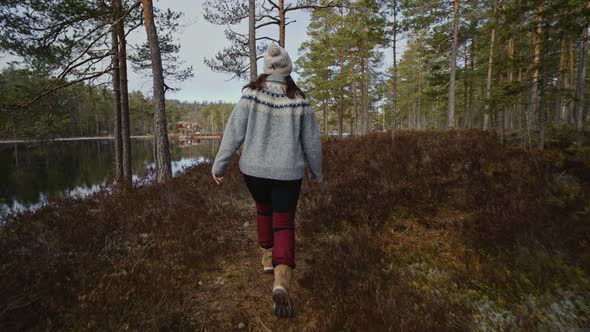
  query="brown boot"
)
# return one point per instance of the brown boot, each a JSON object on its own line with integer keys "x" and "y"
{"x": 267, "y": 260}
{"x": 280, "y": 291}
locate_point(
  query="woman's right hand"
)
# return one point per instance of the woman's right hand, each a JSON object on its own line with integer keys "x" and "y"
{"x": 217, "y": 179}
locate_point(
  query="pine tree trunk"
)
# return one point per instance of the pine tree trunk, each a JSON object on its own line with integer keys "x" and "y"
{"x": 534, "y": 99}
{"x": 501, "y": 113}
{"x": 341, "y": 113}
{"x": 155, "y": 150}
{"x": 559, "y": 116}
{"x": 542, "y": 116}
{"x": 252, "y": 39}
{"x": 364, "y": 95}
{"x": 117, "y": 106}
{"x": 486, "y": 116}
{"x": 163, "y": 166}
{"x": 125, "y": 124}
{"x": 355, "y": 106}
{"x": 518, "y": 110}
{"x": 510, "y": 79}
{"x": 540, "y": 54}
{"x": 471, "y": 82}
{"x": 465, "y": 89}
{"x": 325, "y": 111}
{"x": 581, "y": 86}
{"x": 341, "y": 99}
{"x": 394, "y": 83}
{"x": 417, "y": 122}
{"x": 351, "y": 121}
{"x": 453, "y": 65}
{"x": 570, "y": 111}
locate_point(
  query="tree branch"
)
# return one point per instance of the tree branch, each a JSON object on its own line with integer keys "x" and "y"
{"x": 267, "y": 16}
{"x": 330, "y": 4}
{"x": 166, "y": 88}
{"x": 126, "y": 13}
{"x": 241, "y": 71}
{"x": 271, "y": 39}
{"x": 108, "y": 69}
{"x": 264, "y": 7}
{"x": 71, "y": 66}
{"x": 133, "y": 28}
{"x": 274, "y": 4}
{"x": 97, "y": 59}
{"x": 237, "y": 33}
{"x": 265, "y": 24}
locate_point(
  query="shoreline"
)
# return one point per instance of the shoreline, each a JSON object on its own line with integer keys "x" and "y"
{"x": 65, "y": 139}
{"x": 62, "y": 139}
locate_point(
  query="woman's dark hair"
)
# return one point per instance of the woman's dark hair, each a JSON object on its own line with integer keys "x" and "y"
{"x": 292, "y": 88}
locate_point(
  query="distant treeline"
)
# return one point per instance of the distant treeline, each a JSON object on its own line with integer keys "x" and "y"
{"x": 83, "y": 110}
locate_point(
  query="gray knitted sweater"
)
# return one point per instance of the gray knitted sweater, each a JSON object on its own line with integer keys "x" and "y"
{"x": 279, "y": 134}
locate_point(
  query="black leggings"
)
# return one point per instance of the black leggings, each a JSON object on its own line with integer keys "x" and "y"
{"x": 282, "y": 194}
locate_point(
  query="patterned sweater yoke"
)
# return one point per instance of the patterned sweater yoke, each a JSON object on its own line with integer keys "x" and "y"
{"x": 279, "y": 135}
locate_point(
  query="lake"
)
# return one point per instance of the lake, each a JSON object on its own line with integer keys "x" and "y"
{"x": 31, "y": 173}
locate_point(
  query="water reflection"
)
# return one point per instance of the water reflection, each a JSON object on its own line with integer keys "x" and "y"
{"x": 32, "y": 173}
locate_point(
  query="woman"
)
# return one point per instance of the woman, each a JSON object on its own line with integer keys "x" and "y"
{"x": 279, "y": 131}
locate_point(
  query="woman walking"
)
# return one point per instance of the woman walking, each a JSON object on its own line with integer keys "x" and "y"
{"x": 279, "y": 133}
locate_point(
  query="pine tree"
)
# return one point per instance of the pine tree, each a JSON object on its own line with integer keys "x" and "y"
{"x": 163, "y": 165}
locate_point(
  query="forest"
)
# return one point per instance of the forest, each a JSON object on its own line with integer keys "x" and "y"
{"x": 86, "y": 111}
{"x": 513, "y": 67}
{"x": 456, "y": 165}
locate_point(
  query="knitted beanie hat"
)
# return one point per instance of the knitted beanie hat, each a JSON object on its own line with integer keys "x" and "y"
{"x": 277, "y": 61}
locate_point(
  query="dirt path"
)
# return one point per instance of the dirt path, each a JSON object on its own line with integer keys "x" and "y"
{"x": 239, "y": 293}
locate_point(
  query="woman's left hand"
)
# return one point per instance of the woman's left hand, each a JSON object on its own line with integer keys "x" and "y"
{"x": 217, "y": 179}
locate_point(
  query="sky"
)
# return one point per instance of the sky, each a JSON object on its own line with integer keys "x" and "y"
{"x": 200, "y": 39}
